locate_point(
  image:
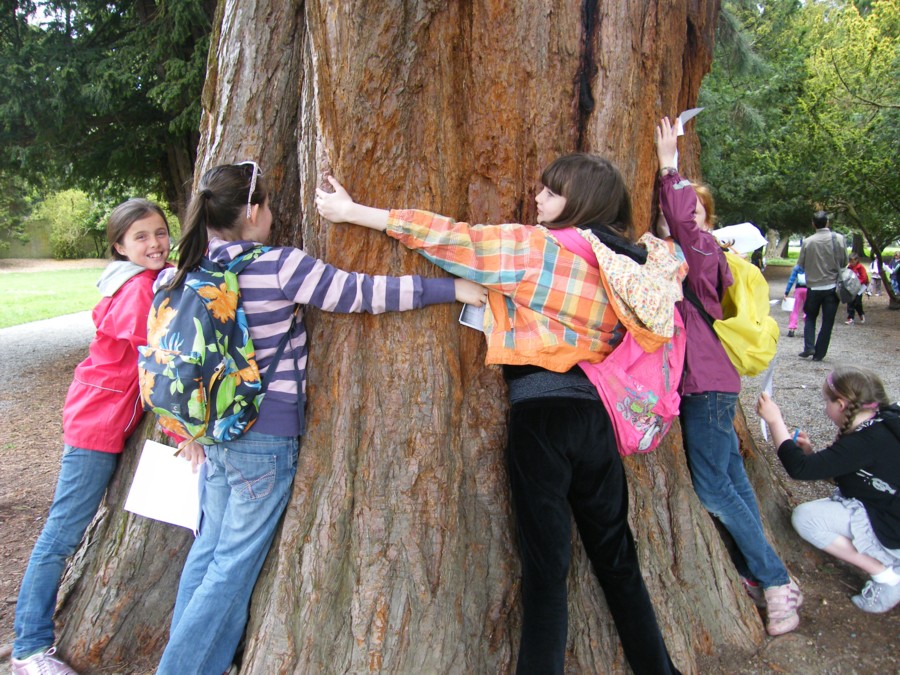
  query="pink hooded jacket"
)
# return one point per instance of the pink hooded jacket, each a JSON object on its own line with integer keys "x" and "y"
{"x": 103, "y": 405}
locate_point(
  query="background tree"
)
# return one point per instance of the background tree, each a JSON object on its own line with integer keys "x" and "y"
{"x": 396, "y": 552}
{"x": 809, "y": 120}
{"x": 15, "y": 205}
{"x": 756, "y": 78}
{"x": 852, "y": 103}
{"x": 103, "y": 96}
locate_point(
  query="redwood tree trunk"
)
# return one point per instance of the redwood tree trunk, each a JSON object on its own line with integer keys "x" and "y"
{"x": 397, "y": 550}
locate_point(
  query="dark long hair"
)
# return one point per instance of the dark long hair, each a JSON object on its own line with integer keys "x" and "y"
{"x": 124, "y": 216}
{"x": 596, "y": 196}
{"x": 220, "y": 204}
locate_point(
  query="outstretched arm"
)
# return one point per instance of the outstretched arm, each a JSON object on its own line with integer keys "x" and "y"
{"x": 339, "y": 207}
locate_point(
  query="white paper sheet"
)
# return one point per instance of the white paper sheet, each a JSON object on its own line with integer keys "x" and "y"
{"x": 165, "y": 488}
{"x": 746, "y": 237}
{"x": 473, "y": 317}
{"x": 683, "y": 118}
{"x": 768, "y": 386}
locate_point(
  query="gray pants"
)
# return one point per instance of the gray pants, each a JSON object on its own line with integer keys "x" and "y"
{"x": 822, "y": 521}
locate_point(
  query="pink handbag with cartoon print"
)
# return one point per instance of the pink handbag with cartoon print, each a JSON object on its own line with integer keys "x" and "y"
{"x": 638, "y": 388}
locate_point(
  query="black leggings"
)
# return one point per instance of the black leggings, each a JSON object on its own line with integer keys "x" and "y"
{"x": 562, "y": 461}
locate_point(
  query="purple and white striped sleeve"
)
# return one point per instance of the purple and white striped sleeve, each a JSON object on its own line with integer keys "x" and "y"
{"x": 309, "y": 281}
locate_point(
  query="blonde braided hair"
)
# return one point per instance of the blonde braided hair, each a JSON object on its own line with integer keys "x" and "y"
{"x": 860, "y": 388}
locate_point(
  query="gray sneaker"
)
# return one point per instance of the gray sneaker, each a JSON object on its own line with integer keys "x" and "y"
{"x": 877, "y": 598}
{"x": 41, "y": 663}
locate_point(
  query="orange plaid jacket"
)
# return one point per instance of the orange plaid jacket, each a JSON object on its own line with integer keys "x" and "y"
{"x": 547, "y": 306}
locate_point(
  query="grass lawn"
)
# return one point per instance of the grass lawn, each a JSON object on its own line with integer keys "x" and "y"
{"x": 31, "y": 296}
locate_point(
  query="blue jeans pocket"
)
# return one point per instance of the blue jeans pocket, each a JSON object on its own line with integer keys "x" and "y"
{"x": 725, "y": 407}
{"x": 251, "y": 476}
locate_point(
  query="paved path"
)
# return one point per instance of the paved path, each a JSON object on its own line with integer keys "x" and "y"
{"x": 41, "y": 343}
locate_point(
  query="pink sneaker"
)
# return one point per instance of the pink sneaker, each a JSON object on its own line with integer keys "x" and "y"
{"x": 782, "y": 603}
{"x": 41, "y": 663}
{"x": 755, "y": 591}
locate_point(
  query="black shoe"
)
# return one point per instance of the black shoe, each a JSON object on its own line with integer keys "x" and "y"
{"x": 818, "y": 358}
{"x": 805, "y": 354}
{"x": 790, "y": 333}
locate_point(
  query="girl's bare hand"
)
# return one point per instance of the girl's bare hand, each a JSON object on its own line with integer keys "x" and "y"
{"x": 470, "y": 293}
{"x": 334, "y": 206}
{"x": 804, "y": 444}
{"x": 767, "y": 409}
{"x": 192, "y": 452}
{"x": 666, "y": 143}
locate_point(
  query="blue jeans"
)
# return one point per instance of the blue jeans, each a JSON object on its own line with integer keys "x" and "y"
{"x": 83, "y": 477}
{"x": 248, "y": 484}
{"x": 721, "y": 483}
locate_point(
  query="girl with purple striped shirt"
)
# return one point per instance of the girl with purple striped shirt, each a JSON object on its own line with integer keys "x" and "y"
{"x": 248, "y": 482}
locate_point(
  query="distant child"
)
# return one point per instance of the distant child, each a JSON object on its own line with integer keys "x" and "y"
{"x": 875, "y": 276}
{"x": 102, "y": 409}
{"x": 895, "y": 273}
{"x": 856, "y": 304}
{"x": 860, "y": 522}
{"x": 549, "y": 310}
{"x": 248, "y": 483}
{"x": 798, "y": 276}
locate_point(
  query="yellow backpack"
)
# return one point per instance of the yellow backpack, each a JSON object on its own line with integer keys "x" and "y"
{"x": 748, "y": 333}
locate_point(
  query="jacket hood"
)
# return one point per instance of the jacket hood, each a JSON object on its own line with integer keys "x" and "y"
{"x": 115, "y": 275}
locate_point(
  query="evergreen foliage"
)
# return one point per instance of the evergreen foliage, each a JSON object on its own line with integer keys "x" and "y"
{"x": 812, "y": 121}
{"x": 102, "y": 95}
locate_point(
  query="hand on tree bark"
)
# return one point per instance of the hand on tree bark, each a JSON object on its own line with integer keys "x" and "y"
{"x": 339, "y": 207}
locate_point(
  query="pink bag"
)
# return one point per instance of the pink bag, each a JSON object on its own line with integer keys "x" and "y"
{"x": 638, "y": 388}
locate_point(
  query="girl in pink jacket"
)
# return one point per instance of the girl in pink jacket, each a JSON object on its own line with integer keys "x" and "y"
{"x": 102, "y": 409}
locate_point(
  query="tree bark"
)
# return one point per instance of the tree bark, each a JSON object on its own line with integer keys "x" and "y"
{"x": 774, "y": 246}
{"x": 397, "y": 550}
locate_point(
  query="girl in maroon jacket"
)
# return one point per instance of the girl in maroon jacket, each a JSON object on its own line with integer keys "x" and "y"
{"x": 102, "y": 409}
{"x": 709, "y": 394}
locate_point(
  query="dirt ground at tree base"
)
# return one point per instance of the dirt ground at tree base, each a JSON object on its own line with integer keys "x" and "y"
{"x": 833, "y": 637}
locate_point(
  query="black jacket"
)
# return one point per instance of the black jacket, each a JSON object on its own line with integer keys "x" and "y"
{"x": 866, "y": 466}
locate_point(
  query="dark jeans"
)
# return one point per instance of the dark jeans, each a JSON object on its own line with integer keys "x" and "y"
{"x": 828, "y": 302}
{"x": 855, "y": 305}
{"x": 563, "y": 461}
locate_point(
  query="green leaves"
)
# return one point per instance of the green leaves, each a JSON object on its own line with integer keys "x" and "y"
{"x": 816, "y": 126}
{"x": 103, "y": 92}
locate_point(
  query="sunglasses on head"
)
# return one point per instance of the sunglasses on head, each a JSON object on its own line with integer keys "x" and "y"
{"x": 257, "y": 172}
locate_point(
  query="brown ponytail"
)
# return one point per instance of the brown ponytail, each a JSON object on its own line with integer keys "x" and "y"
{"x": 219, "y": 205}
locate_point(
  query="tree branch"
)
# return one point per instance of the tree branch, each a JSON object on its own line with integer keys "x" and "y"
{"x": 857, "y": 96}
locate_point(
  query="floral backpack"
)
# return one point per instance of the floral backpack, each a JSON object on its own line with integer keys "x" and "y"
{"x": 198, "y": 372}
{"x": 639, "y": 388}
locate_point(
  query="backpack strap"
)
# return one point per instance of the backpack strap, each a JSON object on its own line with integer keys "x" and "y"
{"x": 237, "y": 266}
{"x": 691, "y": 297}
{"x": 834, "y": 249}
